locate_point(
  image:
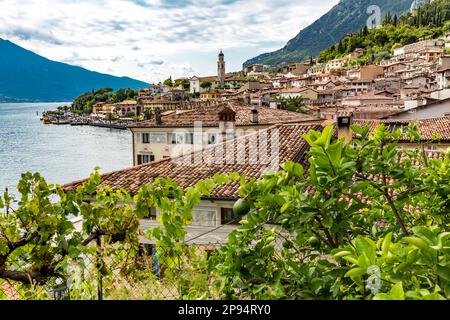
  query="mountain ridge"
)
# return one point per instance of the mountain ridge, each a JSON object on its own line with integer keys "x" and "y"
{"x": 345, "y": 17}
{"x": 29, "y": 77}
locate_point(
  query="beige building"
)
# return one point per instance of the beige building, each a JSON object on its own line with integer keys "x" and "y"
{"x": 102, "y": 108}
{"x": 370, "y": 72}
{"x": 335, "y": 64}
{"x": 183, "y": 132}
{"x": 296, "y": 69}
{"x": 127, "y": 107}
{"x": 414, "y": 48}
{"x": 211, "y": 95}
{"x": 213, "y": 217}
{"x": 366, "y": 99}
{"x": 163, "y": 105}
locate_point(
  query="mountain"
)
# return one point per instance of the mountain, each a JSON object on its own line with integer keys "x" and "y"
{"x": 431, "y": 20}
{"x": 28, "y": 77}
{"x": 346, "y": 17}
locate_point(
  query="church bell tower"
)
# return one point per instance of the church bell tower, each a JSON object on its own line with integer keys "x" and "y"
{"x": 221, "y": 68}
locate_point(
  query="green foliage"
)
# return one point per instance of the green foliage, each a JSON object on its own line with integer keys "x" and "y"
{"x": 38, "y": 239}
{"x": 430, "y": 20}
{"x": 183, "y": 82}
{"x": 168, "y": 82}
{"x": 366, "y": 220}
{"x": 206, "y": 84}
{"x": 86, "y": 101}
{"x": 294, "y": 104}
{"x": 130, "y": 114}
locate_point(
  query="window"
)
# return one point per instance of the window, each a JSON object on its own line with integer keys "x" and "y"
{"x": 151, "y": 214}
{"x": 393, "y": 127}
{"x": 177, "y": 138}
{"x": 204, "y": 218}
{"x": 138, "y": 137}
{"x": 227, "y": 216}
{"x": 189, "y": 138}
{"x": 146, "y": 138}
{"x": 145, "y": 158}
{"x": 212, "y": 138}
{"x": 158, "y": 138}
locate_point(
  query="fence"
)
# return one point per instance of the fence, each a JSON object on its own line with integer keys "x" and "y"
{"x": 147, "y": 273}
{"x": 125, "y": 273}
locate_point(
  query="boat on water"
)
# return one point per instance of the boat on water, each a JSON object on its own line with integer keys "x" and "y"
{"x": 46, "y": 120}
{"x": 60, "y": 122}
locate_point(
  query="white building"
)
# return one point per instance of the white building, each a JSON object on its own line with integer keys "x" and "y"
{"x": 194, "y": 84}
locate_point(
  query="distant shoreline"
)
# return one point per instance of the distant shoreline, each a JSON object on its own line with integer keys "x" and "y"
{"x": 36, "y": 103}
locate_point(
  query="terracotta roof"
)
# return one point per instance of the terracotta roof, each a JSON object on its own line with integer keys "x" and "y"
{"x": 237, "y": 155}
{"x": 209, "y": 116}
{"x": 362, "y": 80}
{"x": 159, "y": 102}
{"x": 424, "y": 106}
{"x": 127, "y": 102}
{"x": 209, "y": 78}
{"x": 368, "y": 96}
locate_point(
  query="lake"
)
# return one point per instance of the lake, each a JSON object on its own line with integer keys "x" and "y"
{"x": 61, "y": 154}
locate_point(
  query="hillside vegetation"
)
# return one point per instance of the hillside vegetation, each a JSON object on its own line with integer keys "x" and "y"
{"x": 431, "y": 20}
{"x": 85, "y": 102}
{"x": 346, "y": 17}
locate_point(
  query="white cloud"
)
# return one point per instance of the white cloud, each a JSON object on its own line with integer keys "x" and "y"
{"x": 153, "y": 39}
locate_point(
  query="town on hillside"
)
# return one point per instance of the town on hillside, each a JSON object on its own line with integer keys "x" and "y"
{"x": 239, "y": 111}
{"x": 318, "y": 179}
{"x": 412, "y": 84}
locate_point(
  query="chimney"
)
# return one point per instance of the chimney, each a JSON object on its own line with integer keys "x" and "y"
{"x": 344, "y": 121}
{"x": 158, "y": 116}
{"x": 227, "y": 122}
{"x": 254, "y": 115}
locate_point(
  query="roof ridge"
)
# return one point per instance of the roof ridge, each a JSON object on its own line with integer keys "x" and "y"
{"x": 202, "y": 151}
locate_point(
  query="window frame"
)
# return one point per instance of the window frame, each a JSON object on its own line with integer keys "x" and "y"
{"x": 144, "y": 140}
{"x": 210, "y": 135}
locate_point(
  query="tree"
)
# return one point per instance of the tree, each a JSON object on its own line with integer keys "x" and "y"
{"x": 364, "y": 219}
{"x": 349, "y": 224}
{"x": 38, "y": 239}
{"x": 110, "y": 117}
{"x": 184, "y": 83}
{"x": 168, "y": 82}
{"x": 294, "y": 104}
{"x": 130, "y": 114}
{"x": 206, "y": 84}
{"x": 148, "y": 114}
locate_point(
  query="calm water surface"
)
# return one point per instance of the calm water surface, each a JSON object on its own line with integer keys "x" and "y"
{"x": 60, "y": 153}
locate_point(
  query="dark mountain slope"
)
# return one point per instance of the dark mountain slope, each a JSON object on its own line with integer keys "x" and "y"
{"x": 26, "y": 76}
{"x": 347, "y": 16}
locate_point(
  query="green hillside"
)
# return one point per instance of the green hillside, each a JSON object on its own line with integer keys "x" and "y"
{"x": 430, "y": 20}
{"x": 347, "y": 16}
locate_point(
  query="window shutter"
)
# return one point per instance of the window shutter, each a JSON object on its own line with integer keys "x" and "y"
{"x": 139, "y": 159}
{"x": 138, "y": 137}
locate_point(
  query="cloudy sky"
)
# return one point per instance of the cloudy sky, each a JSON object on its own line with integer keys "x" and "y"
{"x": 151, "y": 40}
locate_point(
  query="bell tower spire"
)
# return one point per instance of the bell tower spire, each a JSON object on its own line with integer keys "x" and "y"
{"x": 221, "y": 68}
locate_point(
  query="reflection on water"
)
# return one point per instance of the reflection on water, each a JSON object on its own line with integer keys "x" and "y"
{"x": 60, "y": 153}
